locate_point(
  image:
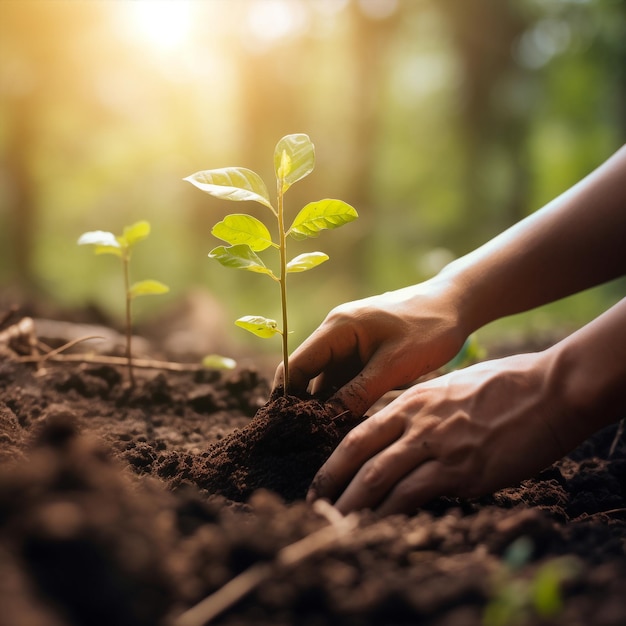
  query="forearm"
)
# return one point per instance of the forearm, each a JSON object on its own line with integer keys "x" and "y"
{"x": 588, "y": 375}
{"x": 571, "y": 244}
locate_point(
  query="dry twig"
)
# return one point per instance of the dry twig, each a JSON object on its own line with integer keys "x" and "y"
{"x": 116, "y": 360}
{"x": 237, "y": 588}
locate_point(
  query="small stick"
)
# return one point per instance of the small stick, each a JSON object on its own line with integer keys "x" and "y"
{"x": 586, "y": 516}
{"x": 618, "y": 436}
{"x": 66, "y": 346}
{"x": 250, "y": 579}
{"x": 116, "y": 360}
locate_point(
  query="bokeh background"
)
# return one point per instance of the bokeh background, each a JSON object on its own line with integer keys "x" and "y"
{"x": 441, "y": 121}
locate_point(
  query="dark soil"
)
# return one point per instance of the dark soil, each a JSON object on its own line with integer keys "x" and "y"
{"x": 122, "y": 507}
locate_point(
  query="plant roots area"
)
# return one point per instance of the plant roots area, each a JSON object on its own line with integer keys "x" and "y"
{"x": 181, "y": 501}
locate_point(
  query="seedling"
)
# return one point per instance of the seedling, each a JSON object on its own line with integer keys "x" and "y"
{"x": 516, "y": 598}
{"x": 294, "y": 158}
{"x": 121, "y": 246}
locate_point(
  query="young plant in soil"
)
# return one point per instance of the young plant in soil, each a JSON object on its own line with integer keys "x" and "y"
{"x": 122, "y": 245}
{"x": 294, "y": 158}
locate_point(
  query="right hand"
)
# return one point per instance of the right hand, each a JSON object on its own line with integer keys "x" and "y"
{"x": 368, "y": 347}
{"x": 464, "y": 434}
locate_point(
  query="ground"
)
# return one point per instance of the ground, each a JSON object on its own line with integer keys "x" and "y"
{"x": 127, "y": 506}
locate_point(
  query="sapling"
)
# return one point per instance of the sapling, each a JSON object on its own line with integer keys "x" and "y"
{"x": 294, "y": 158}
{"x": 121, "y": 246}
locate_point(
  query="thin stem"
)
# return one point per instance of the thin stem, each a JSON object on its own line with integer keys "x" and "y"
{"x": 282, "y": 238}
{"x": 129, "y": 356}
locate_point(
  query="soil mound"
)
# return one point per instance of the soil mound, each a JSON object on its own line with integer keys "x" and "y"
{"x": 280, "y": 450}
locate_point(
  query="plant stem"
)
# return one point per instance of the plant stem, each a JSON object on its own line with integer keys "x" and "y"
{"x": 129, "y": 356}
{"x": 283, "y": 284}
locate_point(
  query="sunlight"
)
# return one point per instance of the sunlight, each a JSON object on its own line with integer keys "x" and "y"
{"x": 163, "y": 24}
{"x": 272, "y": 20}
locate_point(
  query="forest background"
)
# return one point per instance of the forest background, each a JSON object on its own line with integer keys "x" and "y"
{"x": 441, "y": 121}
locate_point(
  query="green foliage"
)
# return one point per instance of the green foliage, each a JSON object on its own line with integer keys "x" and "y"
{"x": 218, "y": 362}
{"x": 148, "y": 288}
{"x": 294, "y": 158}
{"x": 471, "y": 352}
{"x": 515, "y": 598}
{"x": 105, "y": 242}
{"x": 258, "y": 325}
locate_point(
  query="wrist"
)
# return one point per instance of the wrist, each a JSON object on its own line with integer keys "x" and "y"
{"x": 461, "y": 291}
{"x": 588, "y": 383}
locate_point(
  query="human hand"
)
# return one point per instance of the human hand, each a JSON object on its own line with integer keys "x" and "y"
{"x": 464, "y": 434}
{"x": 367, "y": 347}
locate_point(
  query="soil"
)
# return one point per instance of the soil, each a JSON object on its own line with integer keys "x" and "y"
{"x": 127, "y": 506}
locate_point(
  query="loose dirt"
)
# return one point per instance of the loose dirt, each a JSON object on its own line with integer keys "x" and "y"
{"x": 129, "y": 507}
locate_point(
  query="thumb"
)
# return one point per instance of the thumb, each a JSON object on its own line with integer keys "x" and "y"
{"x": 279, "y": 377}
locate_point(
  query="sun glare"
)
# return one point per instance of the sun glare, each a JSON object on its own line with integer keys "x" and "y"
{"x": 272, "y": 20}
{"x": 163, "y": 24}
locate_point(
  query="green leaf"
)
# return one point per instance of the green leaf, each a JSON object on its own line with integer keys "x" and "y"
{"x": 243, "y": 229}
{"x": 98, "y": 238}
{"x": 258, "y": 325}
{"x": 546, "y": 592}
{"x": 134, "y": 233}
{"x": 232, "y": 183}
{"x": 240, "y": 257}
{"x": 471, "y": 352}
{"x": 547, "y": 587}
{"x": 108, "y": 250}
{"x": 285, "y": 166}
{"x": 306, "y": 261}
{"x": 320, "y": 215}
{"x": 148, "y": 288}
{"x": 104, "y": 242}
{"x": 218, "y": 362}
{"x": 294, "y": 158}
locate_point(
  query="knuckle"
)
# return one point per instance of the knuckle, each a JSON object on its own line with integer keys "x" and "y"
{"x": 358, "y": 387}
{"x": 352, "y": 442}
{"x": 339, "y": 313}
{"x": 373, "y": 476}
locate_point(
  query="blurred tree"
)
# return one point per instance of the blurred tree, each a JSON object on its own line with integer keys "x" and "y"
{"x": 50, "y": 106}
{"x": 34, "y": 41}
{"x": 495, "y": 110}
{"x": 441, "y": 121}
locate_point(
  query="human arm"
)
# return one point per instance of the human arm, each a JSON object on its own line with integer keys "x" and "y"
{"x": 475, "y": 430}
{"x": 367, "y": 347}
{"x": 573, "y": 243}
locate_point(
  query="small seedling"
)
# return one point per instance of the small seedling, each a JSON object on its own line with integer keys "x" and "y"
{"x": 121, "y": 246}
{"x": 517, "y": 598}
{"x": 294, "y": 158}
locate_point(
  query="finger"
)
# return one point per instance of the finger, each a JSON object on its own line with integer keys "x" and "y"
{"x": 303, "y": 368}
{"x": 315, "y": 355}
{"x": 428, "y": 481}
{"x": 336, "y": 375}
{"x": 279, "y": 377}
{"x": 360, "y": 444}
{"x": 377, "y": 378}
{"x": 381, "y": 473}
